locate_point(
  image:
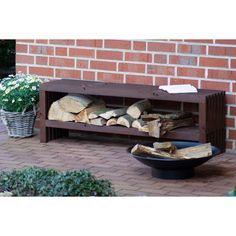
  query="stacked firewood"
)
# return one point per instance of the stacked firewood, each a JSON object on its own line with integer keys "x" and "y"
{"x": 169, "y": 150}
{"x": 92, "y": 110}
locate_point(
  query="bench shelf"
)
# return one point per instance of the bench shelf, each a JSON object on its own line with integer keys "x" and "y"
{"x": 210, "y": 114}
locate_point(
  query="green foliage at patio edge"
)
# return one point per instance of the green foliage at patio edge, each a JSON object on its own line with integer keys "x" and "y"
{"x": 37, "y": 181}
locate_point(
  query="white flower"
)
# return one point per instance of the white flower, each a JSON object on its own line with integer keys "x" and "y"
{"x": 19, "y": 99}
{"x": 5, "y": 99}
{"x": 27, "y": 86}
{"x": 32, "y": 99}
{"x": 2, "y": 87}
{"x": 34, "y": 87}
{"x": 7, "y": 91}
{"x": 13, "y": 100}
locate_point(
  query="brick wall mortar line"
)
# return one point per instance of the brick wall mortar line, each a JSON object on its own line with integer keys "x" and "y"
{"x": 132, "y": 45}
{"x": 150, "y": 52}
{"x": 124, "y": 78}
{"x": 96, "y": 76}
{"x": 206, "y": 73}
{"x": 231, "y": 87}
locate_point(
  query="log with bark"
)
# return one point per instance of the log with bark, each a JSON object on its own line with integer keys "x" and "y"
{"x": 138, "y": 123}
{"x": 137, "y": 108}
{"x": 151, "y": 117}
{"x": 171, "y": 116}
{"x": 141, "y": 125}
{"x": 199, "y": 151}
{"x": 95, "y": 114}
{"x": 83, "y": 116}
{"x": 57, "y": 113}
{"x": 167, "y": 125}
{"x": 98, "y": 121}
{"x": 112, "y": 121}
{"x": 165, "y": 146}
{"x": 158, "y": 128}
{"x": 113, "y": 113}
{"x": 143, "y": 150}
{"x": 75, "y": 103}
{"x": 125, "y": 120}
{"x": 154, "y": 128}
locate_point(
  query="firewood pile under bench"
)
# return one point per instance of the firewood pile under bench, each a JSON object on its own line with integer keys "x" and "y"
{"x": 209, "y": 110}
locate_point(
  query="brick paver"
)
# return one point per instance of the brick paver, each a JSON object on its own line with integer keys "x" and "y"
{"x": 110, "y": 160}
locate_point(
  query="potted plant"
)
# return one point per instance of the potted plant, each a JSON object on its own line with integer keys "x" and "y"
{"x": 19, "y": 96}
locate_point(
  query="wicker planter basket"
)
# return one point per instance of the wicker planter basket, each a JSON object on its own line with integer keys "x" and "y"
{"x": 19, "y": 124}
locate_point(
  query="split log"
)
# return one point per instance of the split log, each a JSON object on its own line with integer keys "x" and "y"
{"x": 137, "y": 108}
{"x": 113, "y": 113}
{"x": 144, "y": 129}
{"x": 98, "y": 121}
{"x": 95, "y": 114}
{"x": 139, "y": 149}
{"x": 138, "y": 123}
{"x": 74, "y": 103}
{"x": 177, "y": 116}
{"x": 57, "y": 113}
{"x": 83, "y": 116}
{"x": 200, "y": 151}
{"x": 172, "y": 116}
{"x": 173, "y": 124}
{"x": 125, "y": 120}
{"x": 112, "y": 121}
{"x": 165, "y": 146}
{"x": 154, "y": 128}
{"x": 151, "y": 117}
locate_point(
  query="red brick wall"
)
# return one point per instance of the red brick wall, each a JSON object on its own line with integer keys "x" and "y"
{"x": 209, "y": 64}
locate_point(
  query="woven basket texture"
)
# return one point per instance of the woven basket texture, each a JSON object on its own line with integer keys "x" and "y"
{"x": 19, "y": 124}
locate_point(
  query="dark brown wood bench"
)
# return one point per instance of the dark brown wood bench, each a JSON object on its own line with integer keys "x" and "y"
{"x": 207, "y": 105}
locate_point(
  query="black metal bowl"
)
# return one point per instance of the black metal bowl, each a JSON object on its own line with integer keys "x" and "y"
{"x": 166, "y": 168}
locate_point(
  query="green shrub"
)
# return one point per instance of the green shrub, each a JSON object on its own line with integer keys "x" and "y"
{"x": 37, "y": 181}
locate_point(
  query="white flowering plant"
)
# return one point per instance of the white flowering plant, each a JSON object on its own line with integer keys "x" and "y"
{"x": 19, "y": 93}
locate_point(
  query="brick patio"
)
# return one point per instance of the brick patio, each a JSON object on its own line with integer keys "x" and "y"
{"x": 110, "y": 160}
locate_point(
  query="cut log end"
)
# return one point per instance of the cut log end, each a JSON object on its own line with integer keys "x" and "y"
{"x": 138, "y": 108}
{"x": 125, "y": 120}
{"x": 57, "y": 113}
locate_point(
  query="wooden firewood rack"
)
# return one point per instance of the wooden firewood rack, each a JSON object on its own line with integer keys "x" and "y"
{"x": 210, "y": 110}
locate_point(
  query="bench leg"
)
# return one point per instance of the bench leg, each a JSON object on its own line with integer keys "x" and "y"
{"x": 47, "y": 134}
